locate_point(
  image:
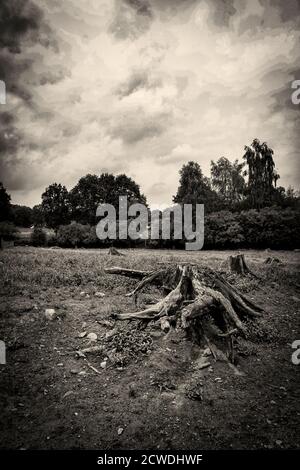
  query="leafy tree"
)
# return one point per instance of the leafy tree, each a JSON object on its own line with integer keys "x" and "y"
{"x": 5, "y": 205}
{"x": 228, "y": 181}
{"x": 89, "y": 192}
{"x": 22, "y": 215}
{"x": 126, "y": 186}
{"x": 37, "y": 215}
{"x": 223, "y": 230}
{"x": 72, "y": 235}
{"x": 262, "y": 176}
{"x": 55, "y": 205}
{"x": 8, "y": 230}
{"x": 194, "y": 188}
{"x": 92, "y": 190}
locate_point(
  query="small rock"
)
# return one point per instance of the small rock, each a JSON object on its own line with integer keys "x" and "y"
{"x": 50, "y": 314}
{"x": 82, "y": 335}
{"x": 111, "y": 333}
{"x": 278, "y": 442}
{"x": 206, "y": 352}
{"x": 120, "y": 431}
{"x": 67, "y": 394}
{"x": 80, "y": 354}
{"x": 84, "y": 324}
{"x": 132, "y": 390}
{"x": 74, "y": 371}
{"x": 103, "y": 364}
{"x": 92, "y": 336}
{"x": 99, "y": 294}
{"x": 82, "y": 294}
{"x": 218, "y": 379}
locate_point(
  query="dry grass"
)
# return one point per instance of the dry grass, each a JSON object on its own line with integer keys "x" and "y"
{"x": 40, "y": 267}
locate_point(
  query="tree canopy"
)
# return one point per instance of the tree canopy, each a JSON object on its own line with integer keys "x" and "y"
{"x": 194, "y": 188}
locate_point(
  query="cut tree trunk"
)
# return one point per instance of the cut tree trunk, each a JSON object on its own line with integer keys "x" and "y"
{"x": 199, "y": 301}
{"x": 114, "y": 252}
{"x": 238, "y": 265}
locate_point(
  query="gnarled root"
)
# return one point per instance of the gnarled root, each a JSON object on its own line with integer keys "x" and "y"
{"x": 197, "y": 294}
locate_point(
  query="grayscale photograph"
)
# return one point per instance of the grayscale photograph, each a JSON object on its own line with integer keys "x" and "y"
{"x": 149, "y": 231}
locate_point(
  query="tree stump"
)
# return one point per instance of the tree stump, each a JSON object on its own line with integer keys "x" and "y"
{"x": 200, "y": 301}
{"x": 238, "y": 265}
{"x": 114, "y": 252}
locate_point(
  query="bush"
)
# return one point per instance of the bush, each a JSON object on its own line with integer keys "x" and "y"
{"x": 76, "y": 235}
{"x": 8, "y": 231}
{"x": 223, "y": 230}
{"x": 271, "y": 227}
{"x": 38, "y": 237}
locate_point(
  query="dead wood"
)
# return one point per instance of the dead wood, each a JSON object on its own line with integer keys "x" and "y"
{"x": 238, "y": 265}
{"x": 114, "y": 252}
{"x": 200, "y": 300}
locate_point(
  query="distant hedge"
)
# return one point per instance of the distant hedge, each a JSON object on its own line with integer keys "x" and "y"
{"x": 270, "y": 227}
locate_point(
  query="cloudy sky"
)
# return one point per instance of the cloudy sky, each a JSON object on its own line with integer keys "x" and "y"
{"x": 142, "y": 86}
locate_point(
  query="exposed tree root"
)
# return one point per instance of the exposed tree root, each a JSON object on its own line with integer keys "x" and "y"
{"x": 200, "y": 301}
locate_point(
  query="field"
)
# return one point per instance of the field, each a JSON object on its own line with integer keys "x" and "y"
{"x": 135, "y": 394}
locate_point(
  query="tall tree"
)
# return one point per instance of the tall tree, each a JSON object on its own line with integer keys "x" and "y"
{"x": 228, "y": 181}
{"x": 262, "y": 176}
{"x": 37, "y": 215}
{"x": 89, "y": 192}
{"x": 92, "y": 190}
{"x": 194, "y": 188}
{"x": 5, "y": 205}
{"x": 55, "y": 205}
{"x": 22, "y": 215}
{"x": 126, "y": 186}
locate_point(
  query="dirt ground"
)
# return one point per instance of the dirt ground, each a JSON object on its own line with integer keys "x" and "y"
{"x": 151, "y": 394}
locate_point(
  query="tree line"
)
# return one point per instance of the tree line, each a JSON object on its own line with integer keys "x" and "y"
{"x": 236, "y": 197}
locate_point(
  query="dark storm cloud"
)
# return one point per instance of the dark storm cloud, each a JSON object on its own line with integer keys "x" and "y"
{"x": 22, "y": 25}
{"x": 9, "y": 139}
{"x": 275, "y": 14}
{"x": 224, "y": 10}
{"x": 289, "y": 10}
{"x": 281, "y": 78}
{"x": 138, "y": 126}
{"x": 132, "y": 18}
{"x": 138, "y": 80}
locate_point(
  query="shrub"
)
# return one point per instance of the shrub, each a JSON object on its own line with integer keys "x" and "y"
{"x": 8, "y": 231}
{"x": 38, "y": 237}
